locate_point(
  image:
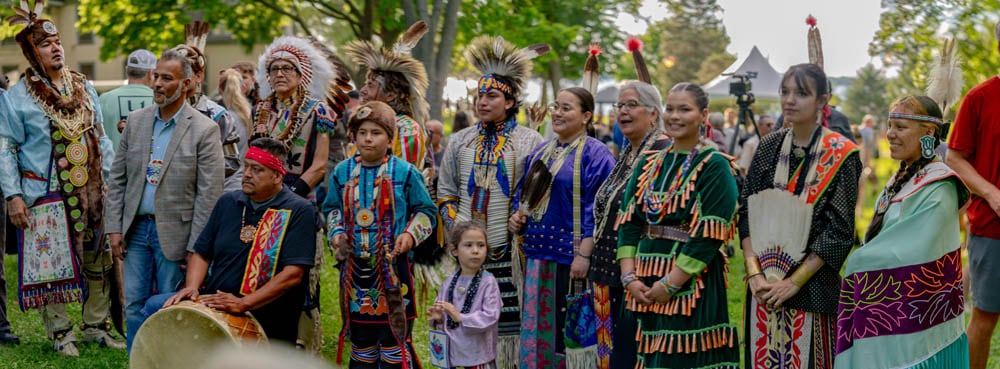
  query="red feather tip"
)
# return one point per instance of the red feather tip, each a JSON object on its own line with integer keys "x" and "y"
{"x": 594, "y": 50}
{"x": 633, "y": 44}
{"x": 811, "y": 20}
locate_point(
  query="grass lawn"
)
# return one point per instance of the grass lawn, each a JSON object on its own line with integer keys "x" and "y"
{"x": 35, "y": 351}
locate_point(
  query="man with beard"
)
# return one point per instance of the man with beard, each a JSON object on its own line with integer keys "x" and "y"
{"x": 233, "y": 140}
{"x": 162, "y": 187}
{"x": 53, "y": 157}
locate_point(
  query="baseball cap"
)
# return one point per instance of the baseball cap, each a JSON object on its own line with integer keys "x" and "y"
{"x": 142, "y": 59}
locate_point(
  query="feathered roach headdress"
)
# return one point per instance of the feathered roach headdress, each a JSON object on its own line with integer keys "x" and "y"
{"x": 35, "y": 30}
{"x": 195, "y": 34}
{"x": 398, "y": 60}
{"x": 193, "y": 48}
{"x": 503, "y": 65}
{"x": 315, "y": 69}
{"x": 634, "y": 46}
{"x": 339, "y": 85}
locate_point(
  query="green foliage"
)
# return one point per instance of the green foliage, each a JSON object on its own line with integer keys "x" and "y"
{"x": 867, "y": 95}
{"x": 695, "y": 37}
{"x": 568, "y": 27}
{"x": 911, "y": 32}
{"x": 157, "y": 24}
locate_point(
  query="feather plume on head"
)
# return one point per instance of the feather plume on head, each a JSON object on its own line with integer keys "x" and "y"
{"x": 339, "y": 85}
{"x": 634, "y": 46}
{"x": 591, "y": 70}
{"x": 815, "y": 42}
{"x": 315, "y": 69}
{"x": 495, "y": 57}
{"x": 946, "y": 80}
{"x": 35, "y": 30}
{"x": 398, "y": 60}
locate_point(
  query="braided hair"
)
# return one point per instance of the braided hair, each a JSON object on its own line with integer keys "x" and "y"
{"x": 920, "y": 105}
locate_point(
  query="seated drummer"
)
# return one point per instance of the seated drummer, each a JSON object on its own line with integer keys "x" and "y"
{"x": 265, "y": 225}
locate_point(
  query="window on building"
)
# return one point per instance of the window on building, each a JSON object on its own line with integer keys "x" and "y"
{"x": 89, "y": 70}
{"x": 85, "y": 38}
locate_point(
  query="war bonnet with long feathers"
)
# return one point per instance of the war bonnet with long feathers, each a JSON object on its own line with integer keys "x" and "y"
{"x": 494, "y": 56}
{"x": 315, "y": 69}
{"x": 398, "y": 60}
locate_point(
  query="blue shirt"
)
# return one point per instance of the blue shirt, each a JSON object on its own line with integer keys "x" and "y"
{"x": 26, "y": 144}
{"x": 163, "y": 131}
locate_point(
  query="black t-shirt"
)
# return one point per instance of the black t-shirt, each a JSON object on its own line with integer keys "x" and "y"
{"x": 220, "y": 244}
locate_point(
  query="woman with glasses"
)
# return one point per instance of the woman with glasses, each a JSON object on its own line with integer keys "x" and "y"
{"x": 790, "y": 322}
{"x": 639, "y": 113}
{"x": 678, "y": 210}
{"x": 556, "y": 220}
{"x": 293, "y": 111}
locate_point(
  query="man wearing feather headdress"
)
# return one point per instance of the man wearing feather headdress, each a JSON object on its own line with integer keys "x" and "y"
{"x": 53, "y": 157}
{"x": 974, "y": 154}
{"x": 396, "y": 78}
{"x": 481, "y": 167}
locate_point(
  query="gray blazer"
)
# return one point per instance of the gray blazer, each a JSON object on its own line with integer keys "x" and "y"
{"x": 193, "y": 171}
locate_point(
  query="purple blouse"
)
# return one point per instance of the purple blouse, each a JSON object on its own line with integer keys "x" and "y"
{"x": 474, "y": 342}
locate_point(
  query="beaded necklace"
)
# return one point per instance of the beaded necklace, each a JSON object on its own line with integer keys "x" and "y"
{"x": 469, "y": 295}
{"x": 293, "y": 124}
{"x": 367, "y": 216}
{"x": 489, "y": 151}
{"x": 656, "y": 203}
{"x": 554, "y": 156}
{"x": 618, "y": 178}
{"x": 247, "y": 232}
{"x": 781, "y": 173}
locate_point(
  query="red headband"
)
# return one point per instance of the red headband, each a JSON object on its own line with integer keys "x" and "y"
{"x": 266, "y": 159}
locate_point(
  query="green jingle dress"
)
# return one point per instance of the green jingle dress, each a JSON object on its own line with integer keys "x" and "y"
{"x": 695, "y": 195}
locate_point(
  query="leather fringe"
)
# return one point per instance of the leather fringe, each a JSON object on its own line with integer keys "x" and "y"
{"x": 686, "y": 343}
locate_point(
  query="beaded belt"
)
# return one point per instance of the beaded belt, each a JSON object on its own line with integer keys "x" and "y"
{"x": 675, "y": 233}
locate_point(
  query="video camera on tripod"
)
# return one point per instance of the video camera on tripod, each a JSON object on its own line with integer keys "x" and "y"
{"x": 742, "y": 88}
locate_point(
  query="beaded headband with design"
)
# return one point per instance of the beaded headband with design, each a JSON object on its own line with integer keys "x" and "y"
{"x": 490, "y": 82}
{"x": 494, "y": 56}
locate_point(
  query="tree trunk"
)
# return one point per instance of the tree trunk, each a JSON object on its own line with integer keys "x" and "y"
{"x": 442, "y": 62}
{"x": 555, "y": 75}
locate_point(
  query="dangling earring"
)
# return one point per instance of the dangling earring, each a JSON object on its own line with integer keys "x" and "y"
{"x": 702, "y": 129}
{"x": 927, "y": 146}
{"x": 819, "y": 117}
